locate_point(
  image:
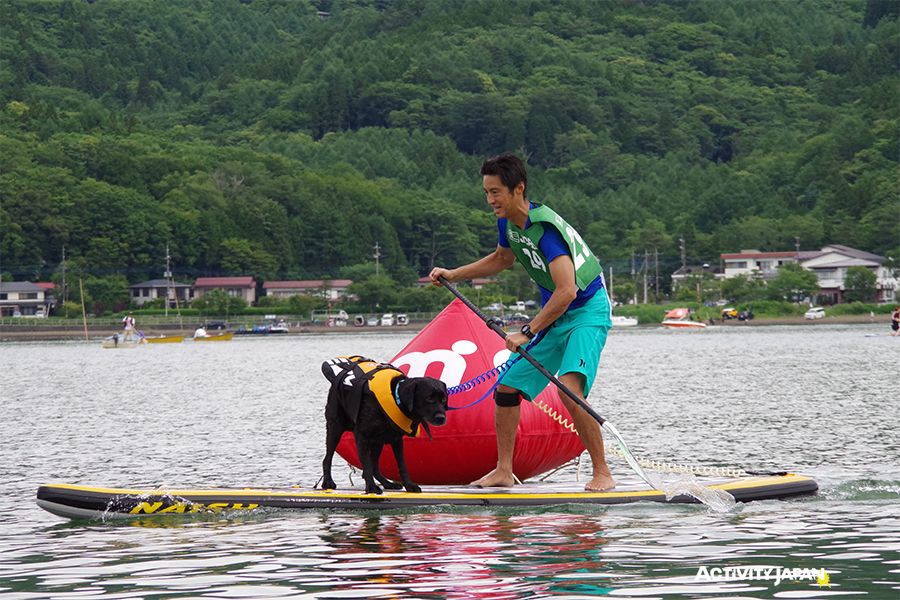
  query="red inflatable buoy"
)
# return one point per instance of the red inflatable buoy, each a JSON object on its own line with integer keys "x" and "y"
{"x": 457, "y": 347}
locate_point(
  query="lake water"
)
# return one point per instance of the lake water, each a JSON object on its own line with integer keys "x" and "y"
{"x": 821, "y": 400}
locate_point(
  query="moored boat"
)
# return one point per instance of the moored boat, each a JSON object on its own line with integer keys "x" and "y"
{"x": 680, "y": 318}
{"x": 218, "y": 337}
{"x": 116, "y": 341}
{"x": 164, "y": 339}
{"x": 620, "y": 321}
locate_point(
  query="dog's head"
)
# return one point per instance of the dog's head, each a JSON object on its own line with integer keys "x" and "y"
{"x": 424, "y": 398}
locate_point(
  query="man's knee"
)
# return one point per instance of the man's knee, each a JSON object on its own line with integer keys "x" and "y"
{"x": 507, "y": 399}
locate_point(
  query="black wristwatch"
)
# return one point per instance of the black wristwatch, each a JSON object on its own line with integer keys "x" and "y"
{"x": 526, "y": 329}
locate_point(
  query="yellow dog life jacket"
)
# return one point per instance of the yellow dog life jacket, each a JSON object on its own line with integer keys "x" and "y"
{"x": 378, "y": 377}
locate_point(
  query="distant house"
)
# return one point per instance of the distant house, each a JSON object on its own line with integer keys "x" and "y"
{"x": 329, "y": 289}
{"x": 179, "y": 294}
{"x": 830, "y": 265}
{"x": 756, "y": 263}
{"x": 239, "y": 287}
{"x": 24, "y": 299}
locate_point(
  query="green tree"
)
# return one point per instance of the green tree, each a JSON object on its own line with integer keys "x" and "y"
{"x": 219, "y": 303}
{"x": 106, "y": 294}
{"x": 860, "y": 285}
{"x": 743, "y": 288}
{"x": 378, "y": 292}
{"x": 793, "y": 283}
{"x": 244, "y": 257}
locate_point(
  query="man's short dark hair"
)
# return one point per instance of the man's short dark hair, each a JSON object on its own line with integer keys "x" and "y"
{"x": 510, "y": 169}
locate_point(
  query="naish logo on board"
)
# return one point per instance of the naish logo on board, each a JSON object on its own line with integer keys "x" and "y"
{"x": 162, "y": 507}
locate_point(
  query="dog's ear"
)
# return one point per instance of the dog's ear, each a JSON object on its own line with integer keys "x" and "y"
{"x": 406, "y": 391}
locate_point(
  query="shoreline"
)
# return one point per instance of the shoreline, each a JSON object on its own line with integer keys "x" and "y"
{"x": 32, "y": 332}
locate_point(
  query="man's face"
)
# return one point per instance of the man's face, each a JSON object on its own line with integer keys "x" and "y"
{"x": 499, "y": 197}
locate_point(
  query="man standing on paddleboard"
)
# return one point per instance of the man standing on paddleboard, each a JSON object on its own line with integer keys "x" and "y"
{"x": 573, "y": 322}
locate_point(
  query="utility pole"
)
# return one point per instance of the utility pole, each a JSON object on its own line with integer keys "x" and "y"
{"x": 656, "y": 280}
{"x": 644, "y": 266}
{"x": 633, "y": 280}
{"x": 683, "y": 259}
{"x": 168, "y": 276}
{"x": 65, "y": 290}
{"x": 377, "y": 256}
{"x": 609, "y": 288}
{"x": 797, "y": 245}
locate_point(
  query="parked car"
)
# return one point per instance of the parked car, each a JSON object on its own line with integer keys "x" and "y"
{"x": 816, "y": 312}
{"x": 517, "y": 319}
{"x": 729, "y": 313}
{"x": 387, "y": 320}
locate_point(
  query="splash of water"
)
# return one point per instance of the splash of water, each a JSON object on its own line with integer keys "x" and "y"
{"x": 717, "y": 500}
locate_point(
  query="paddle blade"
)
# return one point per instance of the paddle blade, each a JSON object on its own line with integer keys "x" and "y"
{"x": 626, "y": 453}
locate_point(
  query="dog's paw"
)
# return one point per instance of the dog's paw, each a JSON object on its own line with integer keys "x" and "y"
{"x": 373, "y": 489}
{"x": 392, "y": 485}
{"x": 329, "y": 484}
{"x": 413, "y": 488}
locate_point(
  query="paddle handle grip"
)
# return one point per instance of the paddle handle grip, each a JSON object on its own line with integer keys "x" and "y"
{"x": 543, "y": 371}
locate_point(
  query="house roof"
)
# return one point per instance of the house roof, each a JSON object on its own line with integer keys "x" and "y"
{"x": 216, "y": 282}
{"x": 307, "y": 284}
{"x": 159, "y": 283}
{"x": 844, "y": 262}
{"x": 20, "y": 286}
{"x": 757, "y": 254}
{"x": 852, "y": 252}
{"x": 806, "y": 254}
{"x": 692, "y": 269}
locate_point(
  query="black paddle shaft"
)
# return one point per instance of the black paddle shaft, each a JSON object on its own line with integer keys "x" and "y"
{"x": 493, "y": 324}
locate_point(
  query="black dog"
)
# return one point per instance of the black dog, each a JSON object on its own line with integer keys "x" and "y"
{"x": 380, "y": 405}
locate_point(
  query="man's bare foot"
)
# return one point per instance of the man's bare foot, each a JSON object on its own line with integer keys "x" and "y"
{"x": 495, "y": 478}
{"x": 600, "y": 483}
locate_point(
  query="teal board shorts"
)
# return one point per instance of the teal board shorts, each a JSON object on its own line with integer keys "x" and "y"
{"x": 572, "y": 345}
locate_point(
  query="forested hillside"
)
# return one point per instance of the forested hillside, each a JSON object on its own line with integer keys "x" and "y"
{"x": 265, "y": 137}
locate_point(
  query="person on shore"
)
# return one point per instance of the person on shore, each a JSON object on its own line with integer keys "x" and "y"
{"x": 573, "y": 322}
{"x": 895, "y": 322}
{"x": 128, "y": 322}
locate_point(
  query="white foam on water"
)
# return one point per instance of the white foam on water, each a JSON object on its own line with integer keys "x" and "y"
{"x": 717, "y": 500}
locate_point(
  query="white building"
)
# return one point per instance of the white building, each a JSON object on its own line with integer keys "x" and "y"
{"x": 760, "y": 264}
{"x": 24, "y": 299}
{"x": 830, "y": 265}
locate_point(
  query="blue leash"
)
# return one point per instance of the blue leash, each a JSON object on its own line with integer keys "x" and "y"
{"x": 500, "y": 370}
